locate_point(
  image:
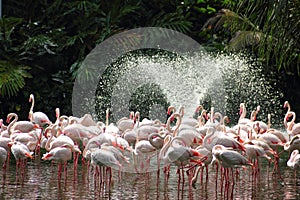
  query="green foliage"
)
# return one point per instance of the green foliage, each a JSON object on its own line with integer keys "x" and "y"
{"x": 12, "y": 78}
{"x": 49, "y": 40}
{"x": 267, "y": 28}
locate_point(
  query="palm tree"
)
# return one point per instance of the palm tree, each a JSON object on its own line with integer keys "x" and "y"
{"x": 270, "y": 28}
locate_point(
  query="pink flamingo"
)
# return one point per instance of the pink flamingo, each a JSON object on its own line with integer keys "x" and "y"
{"x": 228, "y": 159}
{"x": 292, "y": 128}
{"x": 294, "y": 160}
{"x": 126, "y": 123}
{"x": 3, "y": 157}
{"x": 19, "y": 126}
{"x": 293, "y": 144}
{"x": 39, "y": 118}
{"x": 21, "y": 153}
{"x": 61, "y": 155}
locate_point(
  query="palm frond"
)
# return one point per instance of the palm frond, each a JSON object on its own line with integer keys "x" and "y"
{"x": 243, "y": 39}
{"x": 7, "y": 25}
{"x": 12, "y": 78}
{"x": 227, "y": 18}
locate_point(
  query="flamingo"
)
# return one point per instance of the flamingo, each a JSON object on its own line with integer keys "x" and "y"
{"x": 271, "y": 139}
{"x": 157, "y": 139}
{"x": 58, "y": 141}
{"x": 39, "y": 118}
{"x": 77, "y": 132}
{"x": 101, "y": 157}
{"x": 294, "y": 160}
{"x": 61, "y": 155}
{"x": 293, "y": 144}
{"x": 20, "y": 152}
{"x": 177, "y": 154}
{"x": 19, "y": 126}
{"x": 142, "y": 147}
{"x": 3, "y": 157}
{"x": 213, "y": 138}
{"x": 293, "y": 128}
{"x": 287, "y": 105}
{"x": 188, "y": 133}
{"x": 97, "y": 141}
{"x": 31, "y": 139}
{"x": 253, "y": 152}
{"x": 208, "y": 155}
{"x": 126, "y": 123}
{"x": 228, "y": 159}
{"x": 189, "y": 121}
{"x": 282, "y": 136}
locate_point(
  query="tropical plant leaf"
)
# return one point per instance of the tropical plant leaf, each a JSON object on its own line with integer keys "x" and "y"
{"x": 243, "y": 39}
{"x": 40, "y": 43}
{"x": 12, "y": 78}
{"x": 227, "y": 18}
{"x": 7, "y": 25}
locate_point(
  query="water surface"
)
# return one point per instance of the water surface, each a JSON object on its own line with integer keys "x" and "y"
{"x": 40, "y": 180}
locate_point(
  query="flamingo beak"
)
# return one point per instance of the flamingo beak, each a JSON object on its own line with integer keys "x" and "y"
{"x": 168, "y": 112}
{"x": 172, "y": 118}
{"x": 46, "y": 156}
{"x": 28, "y": 155}
{"x": 8, "y": 120}
{"x": 241, "y": 111}
{"x": 195, "y": 153}
{"x": 36, "y": 126}
{"x": 10, "y": 144}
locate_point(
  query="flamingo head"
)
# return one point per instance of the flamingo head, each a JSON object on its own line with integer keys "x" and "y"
{"x": 286, "y": 103}
{"x": 200, "y": 107}
{"x": 195, "y": 153}
{"x": 169, "y": 111}
{"x": 31, "y": 97}
{"x": 47, "y": 156}
{"x": 242, "y": 105}
{"x": 8, "y": 119}
{"x": 227, "y": 119}
{"x": 258, "y": 108}
{"x": 57, "y": 113}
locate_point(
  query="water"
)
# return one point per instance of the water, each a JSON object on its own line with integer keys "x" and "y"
{"x": 40, "y": 181}
{"x": 211, "y": 79}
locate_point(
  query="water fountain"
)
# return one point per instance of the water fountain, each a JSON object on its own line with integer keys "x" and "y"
{"x": 212, "y": 79}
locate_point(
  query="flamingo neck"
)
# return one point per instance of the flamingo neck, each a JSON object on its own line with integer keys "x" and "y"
{"x": 165, "y": 147}
{"x": 181, "y": 111}
{"x": 47, "y": 146}
{"x": 171, "y": 109}
{"x": 31, "y": 99}
{"x": 212, "y": 114}
{"x": 243, "y": 111}
{"x": 178, "y": 123}
{"x": 107, "y": 116}
{"x": 269, "y": 121}
{"x": 290, "y": 126}
{"x": 12, "y": 123}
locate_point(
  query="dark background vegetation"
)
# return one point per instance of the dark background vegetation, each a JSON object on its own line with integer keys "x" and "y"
{"x": 42, "y": 43}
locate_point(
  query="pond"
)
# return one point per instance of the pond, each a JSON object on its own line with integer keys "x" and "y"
{"x": 40, "y": 180}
